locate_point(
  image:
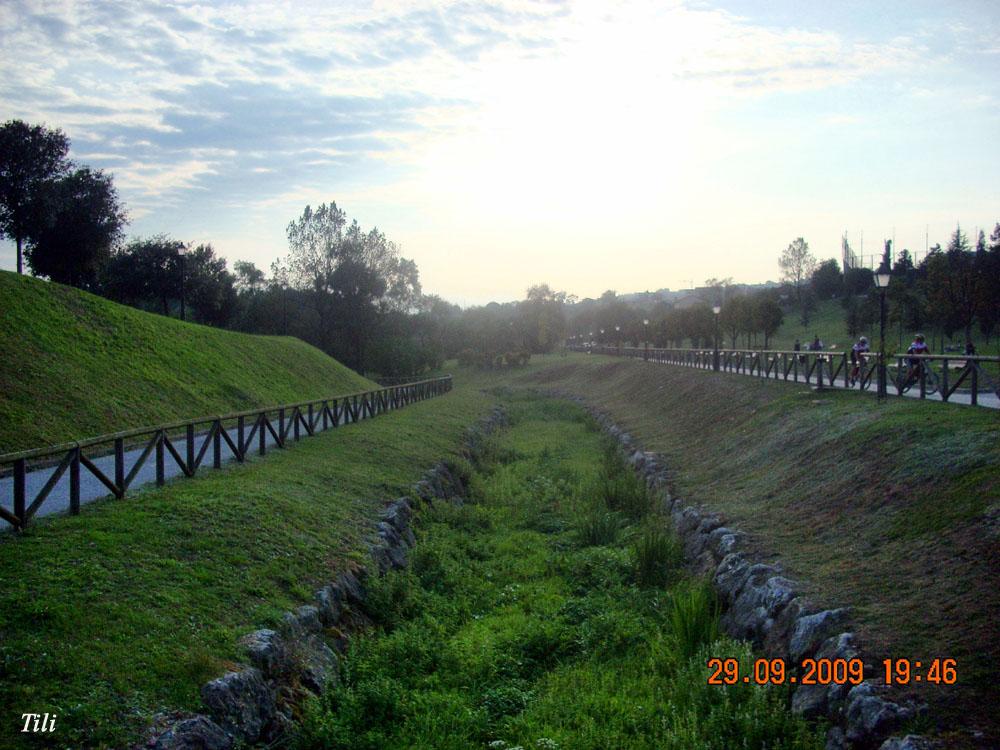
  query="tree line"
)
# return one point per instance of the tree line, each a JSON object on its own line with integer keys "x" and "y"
{"x": 340, "y": 287}
{"x": 952, "y": 293}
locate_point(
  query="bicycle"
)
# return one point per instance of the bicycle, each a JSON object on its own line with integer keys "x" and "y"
{"x": 931, "y": 384}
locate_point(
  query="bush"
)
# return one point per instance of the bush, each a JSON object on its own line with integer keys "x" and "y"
{"x": 598, "y": 527}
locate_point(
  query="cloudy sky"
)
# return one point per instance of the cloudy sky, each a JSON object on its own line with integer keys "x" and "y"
{"x": 591, "y": 145}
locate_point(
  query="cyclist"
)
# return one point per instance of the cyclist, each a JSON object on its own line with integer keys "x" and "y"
{"x": 917, "y": 346}
{"x": 856, "y": 351}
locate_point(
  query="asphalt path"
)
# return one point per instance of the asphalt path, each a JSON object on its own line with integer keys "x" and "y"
{"x": 91, "y": 488}
{"x": 985, "y": 398}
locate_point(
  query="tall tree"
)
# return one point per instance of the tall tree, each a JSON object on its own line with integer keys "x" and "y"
{"x": 77, "y": 221}
{"x": 30, "y": 156}
{"x": 797, "y": 265}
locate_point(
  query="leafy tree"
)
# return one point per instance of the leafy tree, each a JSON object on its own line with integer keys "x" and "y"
{"x": 767, "y": 316}
{"x": 953, "y": 286}
{"x": 30, "y": 156}
{"x": 857, "y": 281}
{"x": 797, "y": 264}
{"x": 77, "y": 221}
{"x": 827, "y": 281}
{"x": 249, "y": 278}
{"x": 147, "y": 273}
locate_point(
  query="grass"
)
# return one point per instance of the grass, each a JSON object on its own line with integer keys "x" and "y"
{"x": 74, "y": 365}
{"x": 128, "y": 608}
{"x": 884, "y": 508}
{"x": 509, "y": 631}
{"x": 829, "y": 321}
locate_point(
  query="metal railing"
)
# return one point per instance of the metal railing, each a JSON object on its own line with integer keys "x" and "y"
{"x": 943, "y": 375}
{"x": 237, "y": 431}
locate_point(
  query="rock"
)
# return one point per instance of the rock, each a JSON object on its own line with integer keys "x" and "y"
{"x": 909, "y": 742}
{"x": 835, "y": 739}
{"x": 308, "y": 617}
{"x": 398, "y": 514}
{"x": 871, "y": 718}
{"x": 195, "y": 733}
{"x": 266, "y": 651}
{"x": 811, "y": 630}
{"x": 314, "y": 663}
{"x": 329, "y": 604}
{"x": 780, "y": 634}
{"x": 241, "y": 703}
{"x": 752, "y": 613}
{"x": 351, "y": 587}
{"x": 730, "y": 576}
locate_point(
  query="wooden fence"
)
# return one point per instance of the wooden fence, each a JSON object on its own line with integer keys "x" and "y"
{"x": 943, "y": 374}
{"x": 244, "y": 430}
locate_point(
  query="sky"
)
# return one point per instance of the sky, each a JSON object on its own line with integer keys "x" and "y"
{"x": 589, "y": 145}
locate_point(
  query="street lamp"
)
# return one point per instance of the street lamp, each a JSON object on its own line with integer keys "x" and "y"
{"x": 618, "y": 339}
{"x": 882, "y": 279}
{"x": 181, "y": 252}
{"x": 645, "y": 336}
{"x": 716, "y": 309}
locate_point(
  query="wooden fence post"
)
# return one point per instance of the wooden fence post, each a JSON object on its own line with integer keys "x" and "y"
{"x": 20, "y": 475}
{"x": 74, "y": 482}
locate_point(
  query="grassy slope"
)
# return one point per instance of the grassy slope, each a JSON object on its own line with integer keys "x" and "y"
{"x": 883, "y": 508}
{"x": 74, "y": 365}
{"x": 131, "y": 606}
{"x": 829, "y": 321}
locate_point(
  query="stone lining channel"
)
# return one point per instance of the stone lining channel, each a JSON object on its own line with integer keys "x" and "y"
{"x": 766, "y": 608}
{"x": 256, "y": 703}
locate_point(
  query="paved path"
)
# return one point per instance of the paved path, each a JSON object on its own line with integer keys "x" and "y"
{"x": 987, "y": 399}
{"x": 92, "y": 489}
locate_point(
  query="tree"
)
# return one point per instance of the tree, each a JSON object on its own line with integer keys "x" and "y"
{"x": 145, "y": 273}
{"x": 249, "y": 278}
{"x": 77, "y": 220}
{"x": 30, "y": 156}
{"x": 797, "y": 265}
{"x": 953, "y": 286}
{"x": 767, "y": 316}
{"x": 827, "y": 281}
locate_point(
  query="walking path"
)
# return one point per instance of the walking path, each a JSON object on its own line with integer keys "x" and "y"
{"x": 92, "y": 489}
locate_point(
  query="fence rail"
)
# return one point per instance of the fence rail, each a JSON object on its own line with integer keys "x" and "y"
{"x": 238, "y": 431}
{"x": 941, "y": 374}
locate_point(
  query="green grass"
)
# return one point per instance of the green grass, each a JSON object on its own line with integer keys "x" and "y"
{"x": 829, "y": 320}
{"x": 507, "y": 631}
{"x": 73, "y": 365}
{"x": 883, "y": 508}
{"x": 131, "y": 606}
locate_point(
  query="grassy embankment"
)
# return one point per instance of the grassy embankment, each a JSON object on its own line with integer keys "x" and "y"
{"x": 548, "y": 612}
{"x": 74, "y": 365}
{"x": 131, "y": 606}
{"x": 829, "y": 321}
{"x": 891, "y": 509}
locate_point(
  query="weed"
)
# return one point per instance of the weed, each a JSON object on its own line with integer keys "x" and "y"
{"x": 658, "y": 555}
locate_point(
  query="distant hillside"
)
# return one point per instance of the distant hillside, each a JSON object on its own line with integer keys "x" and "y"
{"x": 74, "y": 365}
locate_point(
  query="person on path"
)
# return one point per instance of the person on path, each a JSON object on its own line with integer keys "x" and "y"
{"x": 859, "y": 349}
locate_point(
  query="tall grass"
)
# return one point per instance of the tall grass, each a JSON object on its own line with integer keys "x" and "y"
{"x": 658, "y": 556}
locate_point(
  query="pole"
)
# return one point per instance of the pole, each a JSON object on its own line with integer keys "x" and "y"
{"x": 715, "y": 357}
{"x": 881, "y": 346}
{"x": 183, "y": 316}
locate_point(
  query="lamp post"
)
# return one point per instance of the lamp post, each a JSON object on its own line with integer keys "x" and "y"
{"x": 715, "y": 356}
{"x": 645, "y": 336}
{"x": 882, "y": 279}
{"x": 618, "y": 339}
{"x": 181, "y": 252}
